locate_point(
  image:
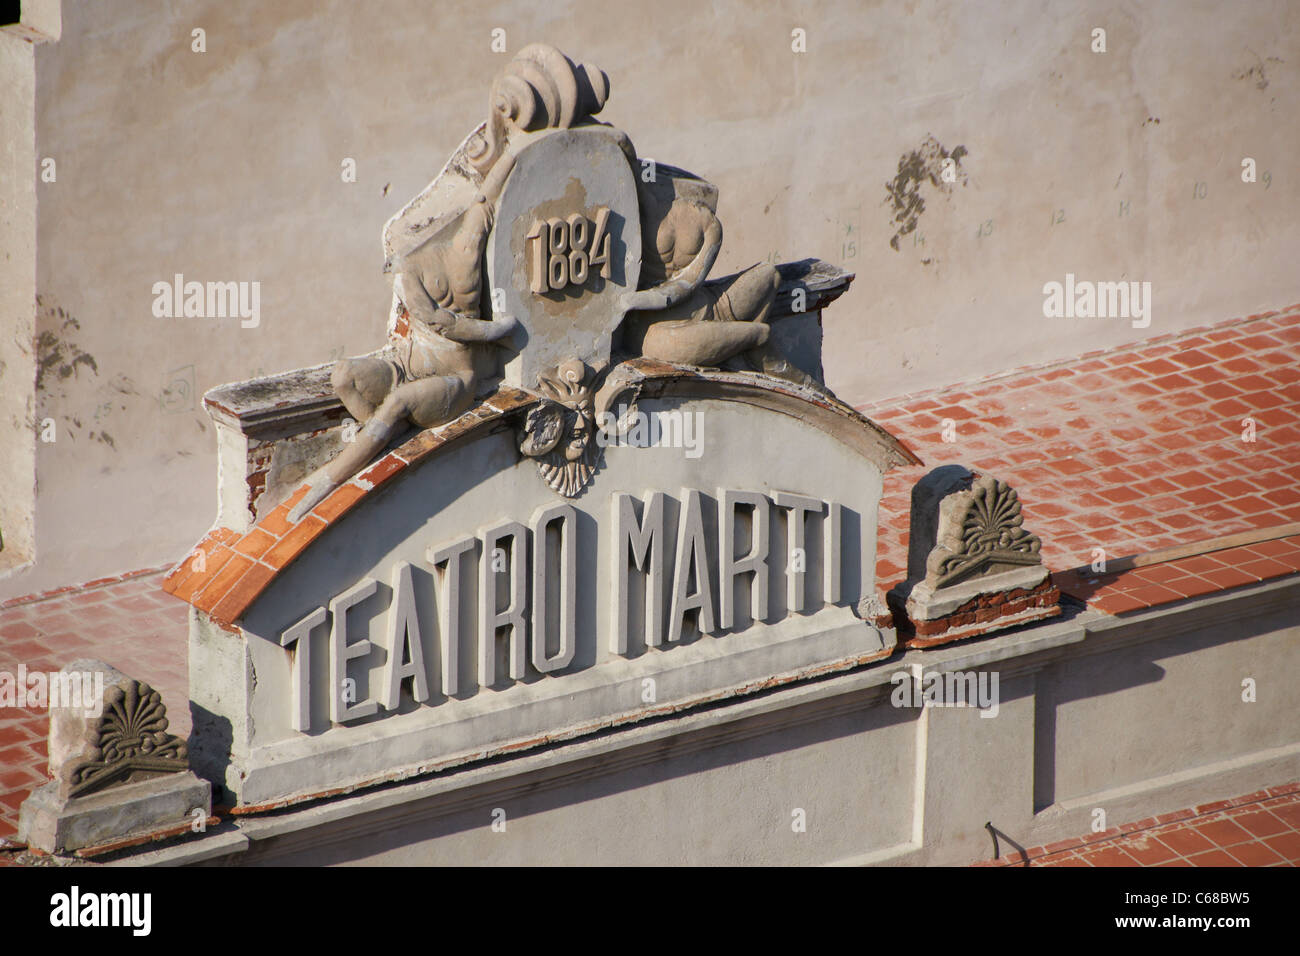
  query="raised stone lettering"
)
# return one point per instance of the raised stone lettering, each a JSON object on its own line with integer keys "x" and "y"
{"x": 693, "y": 562}
{"x": 754, "y": 563}
{"x": 797, "y": 508}
{"x": 451, "y": 611}
{"x": 642, "y": 542}
{"x": 492, "y": 617}
{"x": 342, "y": 710}
{"x": 547, "y": 589}
{"x": 405, "y": 642}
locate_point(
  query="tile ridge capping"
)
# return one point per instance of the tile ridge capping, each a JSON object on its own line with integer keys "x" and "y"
{"x": 91, "y": 585}
{"x": 1167, "y": 339}
{"x": 233, "y": 572}
{"x": 234, "y": 568}
{"x": 1190, "y": 549}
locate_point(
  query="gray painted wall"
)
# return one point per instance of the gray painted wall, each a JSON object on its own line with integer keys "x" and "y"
{"x": 225, "y": 165}
{"x": 1132, "y": 717}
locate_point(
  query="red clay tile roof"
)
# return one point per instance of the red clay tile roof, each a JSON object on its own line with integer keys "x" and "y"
{"x": 124, "y": 620}
{"x": 1130, "y": 450}
{"x": 1168, "y": 581}
{"x": 1256, "y": 829}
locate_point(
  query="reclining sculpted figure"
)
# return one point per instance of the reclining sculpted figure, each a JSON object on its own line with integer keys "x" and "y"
{"x": 676, "y": 316}
{"x": 432, "y": 368}
{"x": 442, "y": 350}
{"x": 446, "y": 337}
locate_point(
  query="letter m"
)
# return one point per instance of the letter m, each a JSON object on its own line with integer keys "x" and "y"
{"x": 963, "y": 688}
{"x": 223, "y": 299}
{"x": 116, "y": 904}
{"x": 65, "y": 689}
{"x": 643, "y": 542}
{"x": 1110, "y": 295}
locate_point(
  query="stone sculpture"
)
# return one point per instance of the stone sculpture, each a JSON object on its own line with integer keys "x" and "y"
{"x": 129, "y": 740}
{"x": 522, "y": 259}
{"x": 972, "y": 567}
{"x": 981, "y": 533}
{"x": 679, "y": 317}
{"x": 116, "y": 770}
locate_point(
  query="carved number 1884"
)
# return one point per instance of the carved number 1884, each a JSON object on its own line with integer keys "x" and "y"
{"x": 564, "y": 252}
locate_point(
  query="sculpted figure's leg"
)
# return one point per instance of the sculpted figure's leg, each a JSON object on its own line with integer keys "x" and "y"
{"x": 693, "y": 342}
{"x": 749, "y": 296}
{"x": 719, "y": 321}
{"x": 432, "y": 401}
{"x": 362, "y": 383}
{"x": 425, "y": 401}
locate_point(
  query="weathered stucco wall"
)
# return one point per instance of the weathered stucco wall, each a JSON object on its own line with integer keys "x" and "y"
{"x": 226, "y": 166}
{"x": 17, "y": 296}
{"x": 1099, "y": 721}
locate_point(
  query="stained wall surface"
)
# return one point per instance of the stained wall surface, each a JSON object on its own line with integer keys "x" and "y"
{"x": 227, "y": 165}
{"x": 17, "y": 311}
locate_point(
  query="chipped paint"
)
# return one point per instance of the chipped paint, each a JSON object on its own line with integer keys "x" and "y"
{"x": 571, "y": 734}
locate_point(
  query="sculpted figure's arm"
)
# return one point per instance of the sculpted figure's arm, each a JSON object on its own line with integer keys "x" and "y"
{"x": 688, "y": 223}
{"x": 464, "y": 329}
{"x": 444, "y": 272}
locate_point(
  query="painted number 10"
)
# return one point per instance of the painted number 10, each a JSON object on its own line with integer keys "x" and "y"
{"x": 565, "y": 252}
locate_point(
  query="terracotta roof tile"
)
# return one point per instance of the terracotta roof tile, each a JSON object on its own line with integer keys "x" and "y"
{"x": 1130, "y": 450}
{"x": 1257, "y": 829}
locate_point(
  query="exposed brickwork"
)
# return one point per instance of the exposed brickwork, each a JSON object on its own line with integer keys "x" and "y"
{"x": 983, "y": 615}
{"x": 226, "y": 571}
{"x": 1257, "y": 829}
{"x": 1130, "y": 450}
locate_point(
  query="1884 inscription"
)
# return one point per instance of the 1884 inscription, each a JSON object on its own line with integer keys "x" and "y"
{"x": 564, "y": 252}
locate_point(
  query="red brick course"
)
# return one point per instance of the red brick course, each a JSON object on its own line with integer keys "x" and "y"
{"x": 982, "y": 615}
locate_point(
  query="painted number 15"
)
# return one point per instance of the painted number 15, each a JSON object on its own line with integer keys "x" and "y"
{"x": 564, "y": 252}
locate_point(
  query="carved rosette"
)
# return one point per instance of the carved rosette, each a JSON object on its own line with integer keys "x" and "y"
{"x": 982, "y": 535}
{"x": 559, "y": 433}
{"x": 130, "y": 736}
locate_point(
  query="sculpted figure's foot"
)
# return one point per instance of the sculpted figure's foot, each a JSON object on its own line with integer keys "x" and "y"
{"x": 369, "y": 441}
{"x": 424, "y": 402}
